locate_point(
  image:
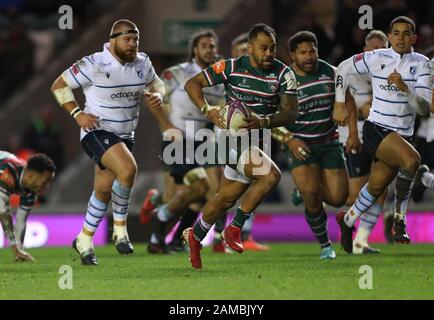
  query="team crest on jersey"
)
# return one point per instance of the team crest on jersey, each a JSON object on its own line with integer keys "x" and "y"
{"x": 413, "y": 70}
{"x": 328, "y": 87}
{"x": 219, "y": 66}
{"x": 273, "y": 87}
{"x": 140, "y": 74}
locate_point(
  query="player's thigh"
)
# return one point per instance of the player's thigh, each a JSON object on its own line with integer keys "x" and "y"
{"x": 119, "y": 159}
{"x": 307, "y": 179}
{"x": 256, "y": 164}
{"x": 334, "y": 184}
{"x": 214, "y": 174}
{"x": 231, "y": 190}
{"x": 382, "y": 174}
{"x": 394, "y": 150}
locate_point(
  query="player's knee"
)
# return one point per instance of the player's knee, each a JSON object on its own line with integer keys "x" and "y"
{"x": 312, "y": 199}
{"x": 103, "y": 195}
{"x": 128, "y": 173}
{"x": 412, "y": 162}
{"x": 222, "y": 202}
{"x": 271, "y": 179}
{"x": 200, "y": 189}
{"x": 339, "y": 200}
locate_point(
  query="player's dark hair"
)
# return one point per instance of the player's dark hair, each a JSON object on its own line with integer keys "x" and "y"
{"x": 403, "y": 19}
{"x": 261, "y": 28}
{"x": 242, "y": 38}
{"x": 300, "y": 37}
{"x": 194, "y": 40}
{"x": 429, "y": 52}
{"x": 40, "y": 162}
{"x": 376, "y": 34}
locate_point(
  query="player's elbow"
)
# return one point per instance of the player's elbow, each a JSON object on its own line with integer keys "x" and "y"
{"x": 58, "y": 84}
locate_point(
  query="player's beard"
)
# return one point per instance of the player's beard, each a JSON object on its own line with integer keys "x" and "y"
{"x": 126, "y": 55}
{"x": 205, "y": 61}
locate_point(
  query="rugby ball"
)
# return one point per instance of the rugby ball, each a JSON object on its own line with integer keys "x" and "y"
{"x": 234, "y": 114}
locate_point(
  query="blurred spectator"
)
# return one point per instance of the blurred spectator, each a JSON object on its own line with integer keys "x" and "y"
{"x": 43, "y": 135}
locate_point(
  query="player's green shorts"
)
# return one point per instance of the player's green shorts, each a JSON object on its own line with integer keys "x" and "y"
{"x": 328, "y": 155}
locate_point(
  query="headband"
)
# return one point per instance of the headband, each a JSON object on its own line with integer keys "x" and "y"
{"x": 117, "y": 34}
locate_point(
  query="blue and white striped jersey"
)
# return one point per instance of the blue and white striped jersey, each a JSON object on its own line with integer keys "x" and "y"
{"x": 181, "y": 108}
{"x": 390, "y": 106}
{"x": 112, "y": 90}
{"x": 361, "y": 89}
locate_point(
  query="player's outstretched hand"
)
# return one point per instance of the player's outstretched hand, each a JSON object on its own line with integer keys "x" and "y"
{"x": 87, "y": 121}
{"x": 340, "y": 114}
{"x": 153, "y": 100}
{"x": 215, "y": 116}
{"x": 299, "y": 148}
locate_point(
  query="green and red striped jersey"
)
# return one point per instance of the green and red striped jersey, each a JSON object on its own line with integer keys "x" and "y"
{"x": 259, "y": 89}
{"x": 11, "y": 169}
{"x": 316, "y": 96}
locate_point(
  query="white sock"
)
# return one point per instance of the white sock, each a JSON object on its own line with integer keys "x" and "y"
{"x": 362, "y": 236}
{"x": 84, "y": 241}
{"x": 164, "y": 214}
{"x": 428, "y": 180}
{"x": 120, "y": 231}
{"x": 154, "y": 239}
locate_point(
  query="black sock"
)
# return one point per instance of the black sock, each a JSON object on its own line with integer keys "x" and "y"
{"x": 220, "y": 224}
{"x": 318, "y": 224}
{"x": 187, "y": 221}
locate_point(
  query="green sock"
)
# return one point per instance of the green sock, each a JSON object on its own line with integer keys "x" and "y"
{"x": 240, "y": 218}
{"x": 201, "y": 229}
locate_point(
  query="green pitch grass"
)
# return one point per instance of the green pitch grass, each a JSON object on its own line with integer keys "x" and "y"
{"x": 287, "y": 271}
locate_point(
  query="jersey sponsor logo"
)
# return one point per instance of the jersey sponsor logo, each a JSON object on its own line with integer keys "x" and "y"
{"x": 290, "y": 80}
{"x": 384, "y": 55}
{"x": 75, "y": 69}
{"x": 339, "y": 81}
{"x": 324, "y": 77}
{"x": 219, "y": 66}
{"x": 358, "y": 57}
{"x": 120, "y": 95}
{"x": 389, "y": 87}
